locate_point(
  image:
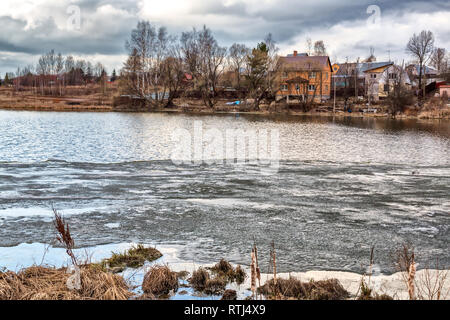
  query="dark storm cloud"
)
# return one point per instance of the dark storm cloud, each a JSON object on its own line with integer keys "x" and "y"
{"x": 106, "y": 24}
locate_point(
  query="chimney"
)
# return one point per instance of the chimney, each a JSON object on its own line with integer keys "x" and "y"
{"x": 295, "y": 53}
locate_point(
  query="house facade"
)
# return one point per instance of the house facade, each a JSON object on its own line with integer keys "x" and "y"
{"x": 304, "y": 78}
{"x": 374, "y": 79}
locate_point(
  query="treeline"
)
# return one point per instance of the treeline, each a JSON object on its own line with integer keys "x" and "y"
{"x": 162, "y": 67}
{"x": 54, "y": 72}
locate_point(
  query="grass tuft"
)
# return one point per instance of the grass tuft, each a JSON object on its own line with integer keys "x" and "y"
{"x": 313, "y": 290}
{"x": 160, "y": 280}
{"x": 223, "y": 269}
{"x": 134, "y": 257}
{"x": 41, "y": 283}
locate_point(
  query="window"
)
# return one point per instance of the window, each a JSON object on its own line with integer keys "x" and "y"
{"x": 392, "y": 76}
{"x": 297, "y": 87}
{"x": 284, "y": 87}
{"x": 373, "y": 76}
{"x": 386, "y": 88}
{"x": 311, "y": 87}
{"x": 312, "y": 75}
{"x": 326, "y": 75}
{"x": 284, "y": 75}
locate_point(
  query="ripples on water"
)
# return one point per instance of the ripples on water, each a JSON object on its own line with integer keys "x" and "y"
{"x": 342, "y": 187}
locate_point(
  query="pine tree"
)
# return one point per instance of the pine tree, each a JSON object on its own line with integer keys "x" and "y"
{"x": 113, "y": 76}
{"x": 6, "y": 81}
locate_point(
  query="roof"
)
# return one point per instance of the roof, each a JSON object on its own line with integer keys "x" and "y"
{"x": 303, "y": 54}
{"x": 367, "y": 66}
{"x": 362, "y": 67}
{"x": 426, "y": 69}
{"x": 305, "y": 62}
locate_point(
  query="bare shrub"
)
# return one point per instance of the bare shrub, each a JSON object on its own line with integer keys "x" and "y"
{"x": 430, "y": 284}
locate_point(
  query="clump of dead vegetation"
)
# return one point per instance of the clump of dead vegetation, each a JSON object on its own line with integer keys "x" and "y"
{"x": 223, "y": 269}
{"x": 330, "y": 289}
{"x": 367, "y": 293}
{"x": 202, "y": 281}
{"x": 229, "y": 295}
{"x": 429, "y": 285}
{"x": 41, "y": 283}
{"x": 134, "y": 257}
{"x": 160, "y": 280}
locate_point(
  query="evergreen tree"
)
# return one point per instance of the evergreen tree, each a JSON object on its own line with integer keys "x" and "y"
{"x": 114, "y": 76}
{"x": 6, "y": 81}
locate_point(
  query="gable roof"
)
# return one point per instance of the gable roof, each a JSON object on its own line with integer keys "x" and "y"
{"x": 367, "y": 66}
{"x": 305, "y": 62}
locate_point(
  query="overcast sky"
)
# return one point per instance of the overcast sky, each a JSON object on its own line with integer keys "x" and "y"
{"x": 32, "y": 27}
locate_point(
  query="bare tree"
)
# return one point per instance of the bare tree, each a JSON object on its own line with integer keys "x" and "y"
{"x": 421, "y": 47}
{"x": 319, "y": 48}
{"x": 438, "y": 59}
{"x": 309, "y": 45}
{"x": 205, "y": 60}
{"x": 148, "y": 48}
{"x": 399, "y": 97}
{"x": 238, "y": 57}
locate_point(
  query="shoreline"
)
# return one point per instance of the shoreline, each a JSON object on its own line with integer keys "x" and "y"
{"x": 391, "y": 284}
{"x": 208, "y": 112}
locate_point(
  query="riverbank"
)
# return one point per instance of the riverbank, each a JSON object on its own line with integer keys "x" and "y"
{"x": 96, "y": 102}
{"x": 45, "y": 256}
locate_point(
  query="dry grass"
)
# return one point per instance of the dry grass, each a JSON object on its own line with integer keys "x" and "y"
{"x": 160, "y": 280}
{"x": 431, "y": 283}
{"x": 404, "y": 262}
{"x": 40, "y": 283}
{"x": 223, "y": 269}
{"x": 313, "y": 290}
{"x": 202, "y": 281}
{"x": 199, "y": 279}
{"x": 215, "y": 286}
{"x": 366, "y": 293}
{"x": 134, "y": 257}
{"x": 229, "y": 295}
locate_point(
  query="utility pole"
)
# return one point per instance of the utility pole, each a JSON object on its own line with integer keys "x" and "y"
{"x": 334, "y": 104}
{"x": 356, "y": 80}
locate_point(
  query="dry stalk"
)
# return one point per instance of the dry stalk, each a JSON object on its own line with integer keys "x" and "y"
{"x": 411, "y": 277}
{"x": 274, "y": 261}
{"x": 253, "y": 272}
{"x": 64, "y": 236}
{"x": 431, "y": 283}
{"x": 258, "y": 271}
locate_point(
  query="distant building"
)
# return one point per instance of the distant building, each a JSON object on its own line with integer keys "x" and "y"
{"x": 375, "y": 79}
{"x": 429, "y": 74}
{"x": 444, "y": 90}
{"x": 304, "y": 77}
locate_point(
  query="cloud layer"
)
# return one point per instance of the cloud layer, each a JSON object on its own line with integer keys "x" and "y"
{"x": 30, "y": 28}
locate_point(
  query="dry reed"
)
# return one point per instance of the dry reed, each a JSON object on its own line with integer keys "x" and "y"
{"x": 40, "y": 283}
{"x": 160, "y": 280}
